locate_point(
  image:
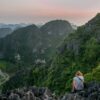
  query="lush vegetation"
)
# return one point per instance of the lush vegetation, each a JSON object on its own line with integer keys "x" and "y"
{"x": 94, "y": 75}
{"x": 8, "y": 67}
{"x": 79, "y": 51}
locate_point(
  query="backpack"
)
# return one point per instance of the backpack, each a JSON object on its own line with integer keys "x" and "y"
{"x": 81, "y": 85}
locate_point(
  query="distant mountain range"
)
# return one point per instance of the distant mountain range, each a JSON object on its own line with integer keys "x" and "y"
{"x": 6, "y": 29}
{"x": 74, "y": 26}
{"x": 33, "y": 44}
{"x": 12, "y": 26}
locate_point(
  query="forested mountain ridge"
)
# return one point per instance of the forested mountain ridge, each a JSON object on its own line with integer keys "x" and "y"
{"x": 33, "y": 44}
{"x": 79, "y": 51}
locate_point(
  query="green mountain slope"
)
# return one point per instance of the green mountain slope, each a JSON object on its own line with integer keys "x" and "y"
{"x": 32, "y": 44}
{"x": 79, "y": 51}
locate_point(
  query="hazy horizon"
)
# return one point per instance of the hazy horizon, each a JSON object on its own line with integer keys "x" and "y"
{"x": 77, "y": 12}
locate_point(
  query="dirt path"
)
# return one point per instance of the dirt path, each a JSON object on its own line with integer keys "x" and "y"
{"x": 4, "y": 77}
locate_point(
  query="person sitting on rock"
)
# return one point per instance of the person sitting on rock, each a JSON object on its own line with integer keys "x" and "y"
{"x": 78, "y": 82}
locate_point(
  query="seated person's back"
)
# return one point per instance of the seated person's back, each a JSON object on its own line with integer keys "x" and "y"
{"x": 78, "y": 82}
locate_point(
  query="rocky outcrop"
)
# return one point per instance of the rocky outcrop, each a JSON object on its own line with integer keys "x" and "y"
{"x": 31, "y": 93}
{"x": 91, "y": 92}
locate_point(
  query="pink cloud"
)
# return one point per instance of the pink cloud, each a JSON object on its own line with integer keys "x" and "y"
{"x": 78, "y": 11}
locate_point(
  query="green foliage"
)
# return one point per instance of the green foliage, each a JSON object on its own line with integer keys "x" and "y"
{"x": 38, "y": 75}
{"x": 79, "y": 51}
{"x": 16, "y": 81}
{"x": 8, "y": 67}
{"x": 94, "y": 75}
{"x": 92, "y": 51}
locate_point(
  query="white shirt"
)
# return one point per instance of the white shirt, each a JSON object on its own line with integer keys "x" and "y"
{"x": 79, "y": 82}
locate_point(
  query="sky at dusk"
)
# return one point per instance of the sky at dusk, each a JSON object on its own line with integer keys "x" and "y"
{"x": 41, "y": 11}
